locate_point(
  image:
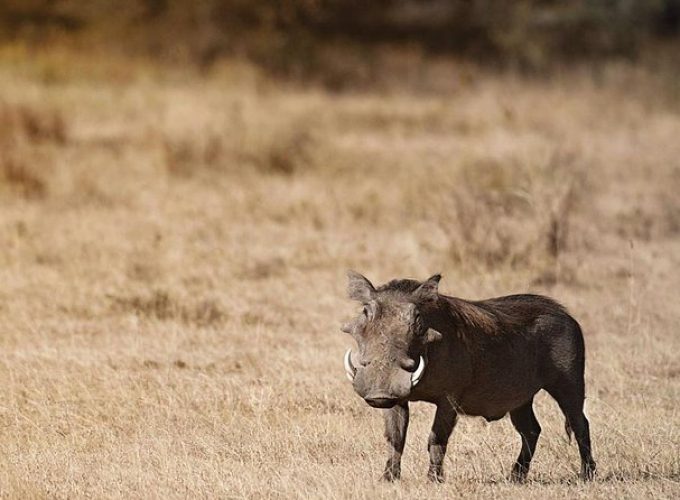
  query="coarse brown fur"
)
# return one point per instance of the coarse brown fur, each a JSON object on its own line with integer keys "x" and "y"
{"x": 482, "y": 358}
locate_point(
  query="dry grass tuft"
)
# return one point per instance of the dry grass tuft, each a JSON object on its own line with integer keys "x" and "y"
{"x": 22, "y": 122}
{"x": 26, "y": 134}
{"x": 161, "y": 305}
{"x": 509, "y": 212}
{"x": 261, "y": 144}
{"x": 21, "y": 178}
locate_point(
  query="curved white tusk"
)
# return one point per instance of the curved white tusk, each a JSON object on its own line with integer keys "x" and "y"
{"x": 349, "y": 368}
{"x": 417, "y": 375}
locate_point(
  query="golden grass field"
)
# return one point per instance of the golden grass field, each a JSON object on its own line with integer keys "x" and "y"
{"x": 173, "y": 249}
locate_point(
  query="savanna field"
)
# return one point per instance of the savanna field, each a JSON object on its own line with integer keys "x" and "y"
{"x": 173, "y": 249}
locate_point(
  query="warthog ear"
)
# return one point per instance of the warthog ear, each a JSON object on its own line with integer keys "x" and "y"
{"x": 429, "y": 289}
{"x": 359, "y": 288}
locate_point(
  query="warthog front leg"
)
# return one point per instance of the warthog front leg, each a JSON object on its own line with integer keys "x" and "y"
{"x": 396, "y": 423}
{"x": 444, "y": 422}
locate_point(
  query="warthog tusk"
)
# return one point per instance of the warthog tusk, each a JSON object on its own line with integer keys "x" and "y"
{"x": 416, "y": 375}
{"x": 349, "y": 367}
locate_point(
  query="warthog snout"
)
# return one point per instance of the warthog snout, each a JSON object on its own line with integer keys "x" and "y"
{"x": 378, "y": 400}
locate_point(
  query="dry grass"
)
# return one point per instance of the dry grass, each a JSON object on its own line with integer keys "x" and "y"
{"x": 173, "y": 254}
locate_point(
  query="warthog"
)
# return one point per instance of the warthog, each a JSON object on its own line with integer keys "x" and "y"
{"x": 484, "y": 358}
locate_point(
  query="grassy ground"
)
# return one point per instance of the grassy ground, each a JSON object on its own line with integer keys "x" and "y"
{"x": 172, "y": 258}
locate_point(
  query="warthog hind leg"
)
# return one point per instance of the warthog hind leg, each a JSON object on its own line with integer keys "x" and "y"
{"x": 570, "y": 397}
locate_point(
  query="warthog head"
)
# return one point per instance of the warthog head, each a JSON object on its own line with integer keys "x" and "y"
{"x": 392, "y": 334}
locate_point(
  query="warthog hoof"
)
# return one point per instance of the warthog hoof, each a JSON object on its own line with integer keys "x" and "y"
{"x": 390, "y": 476}
{"x": 436, "y": 474}
{"x": 588, "y": 471}
{"x": 519, "y": 473}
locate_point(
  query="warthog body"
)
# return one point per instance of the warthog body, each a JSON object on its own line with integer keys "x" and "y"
{"x": 484, "y": 358}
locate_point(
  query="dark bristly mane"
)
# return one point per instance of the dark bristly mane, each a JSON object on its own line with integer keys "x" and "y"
{"x": 489, "y": 318}
{"x": 472, "y": 317}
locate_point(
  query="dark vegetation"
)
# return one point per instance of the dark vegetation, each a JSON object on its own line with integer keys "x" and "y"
{"x": 302, "y": 37}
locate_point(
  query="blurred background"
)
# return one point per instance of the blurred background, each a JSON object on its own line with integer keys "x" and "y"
{"x": 337, "y": 41}
{"x": 184, "y": 184}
